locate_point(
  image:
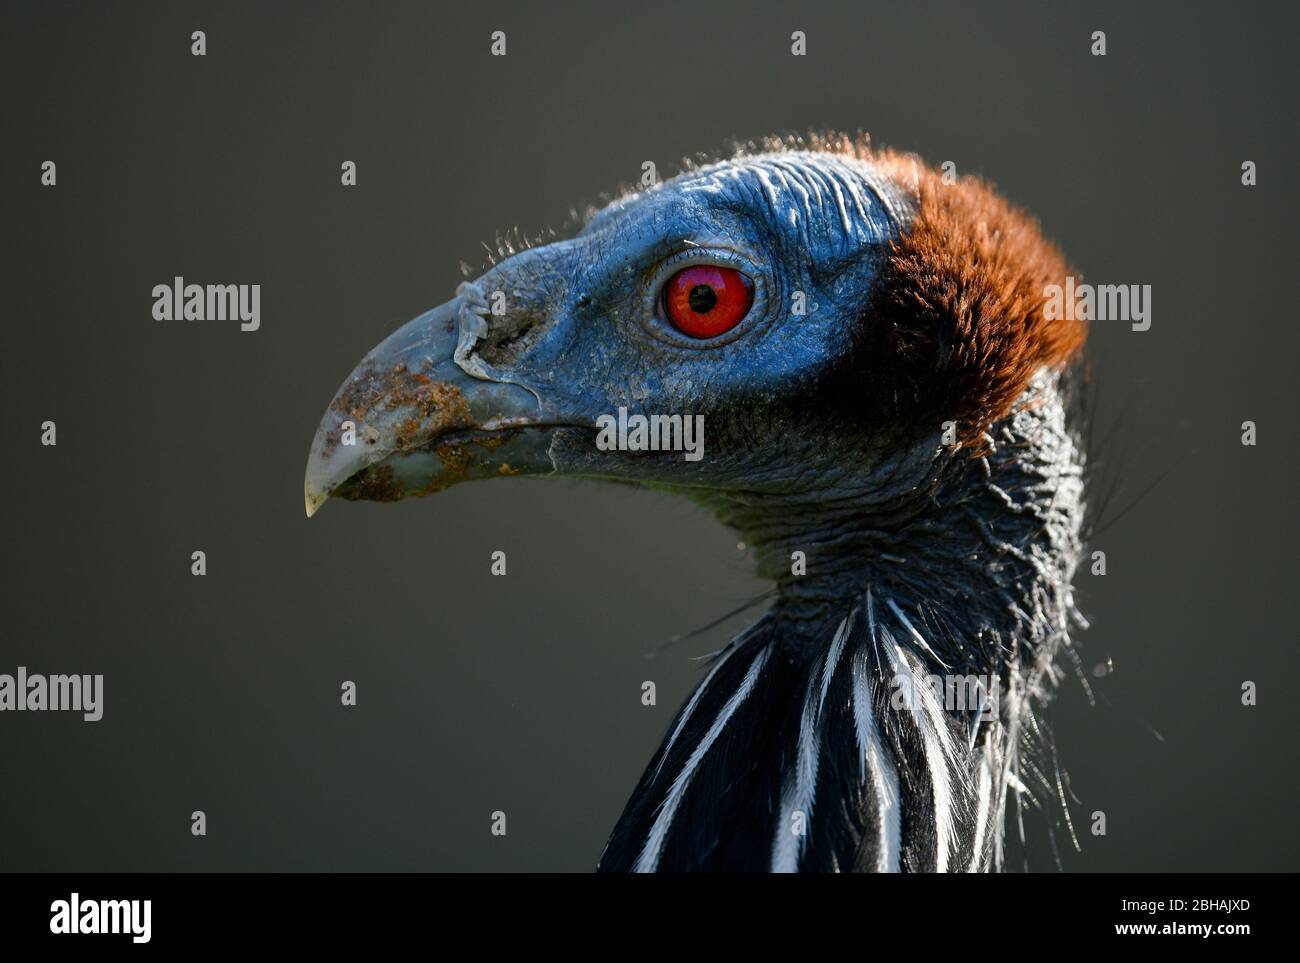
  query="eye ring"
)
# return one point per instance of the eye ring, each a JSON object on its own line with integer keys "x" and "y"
{"x": 705, "y": 301}
{"x": 717, "y": 251}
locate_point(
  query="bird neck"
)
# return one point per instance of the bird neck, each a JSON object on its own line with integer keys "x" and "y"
{"x": 986, "y": 541}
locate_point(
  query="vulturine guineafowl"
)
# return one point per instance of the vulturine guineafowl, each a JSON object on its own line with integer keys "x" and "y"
{"x": 885, "y": 405}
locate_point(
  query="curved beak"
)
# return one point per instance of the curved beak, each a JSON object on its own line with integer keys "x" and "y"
{"x": 410, "y": 420}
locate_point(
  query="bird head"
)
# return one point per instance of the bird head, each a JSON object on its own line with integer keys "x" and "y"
{"x": 824, "y": 344}
{"x": 786, "y": 298}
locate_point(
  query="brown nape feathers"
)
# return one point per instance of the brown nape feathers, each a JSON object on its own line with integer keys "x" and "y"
{"x": 958, "y": 324}
{"x": 956, "y": 327}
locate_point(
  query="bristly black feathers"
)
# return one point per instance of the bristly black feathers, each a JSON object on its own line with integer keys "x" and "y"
{"x": 798, "y": 757}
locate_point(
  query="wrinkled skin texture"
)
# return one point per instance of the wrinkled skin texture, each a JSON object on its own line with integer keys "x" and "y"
{"x": 584, "y": 332}
{"x": 941, "y": 557}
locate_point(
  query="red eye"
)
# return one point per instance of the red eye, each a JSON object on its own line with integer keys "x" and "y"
{"x": 705, "y": 301}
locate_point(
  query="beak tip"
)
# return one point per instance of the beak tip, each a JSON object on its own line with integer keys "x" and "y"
{"x": 313, "y": 499}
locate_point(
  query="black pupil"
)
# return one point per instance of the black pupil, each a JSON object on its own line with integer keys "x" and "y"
{"x": 702, "y": 299}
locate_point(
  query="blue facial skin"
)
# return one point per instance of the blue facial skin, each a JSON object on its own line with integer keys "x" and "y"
{"x": 584, "y": 330}
{"x": 791, "y": 223}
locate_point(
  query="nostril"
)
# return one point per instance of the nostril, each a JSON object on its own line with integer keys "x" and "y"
{"x": 508, "y": 337}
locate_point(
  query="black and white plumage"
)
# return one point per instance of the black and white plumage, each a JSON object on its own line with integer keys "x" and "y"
{"x": 885, "y": 399}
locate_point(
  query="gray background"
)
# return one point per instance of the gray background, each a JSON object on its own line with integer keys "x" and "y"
{"x": 522, "y": 693}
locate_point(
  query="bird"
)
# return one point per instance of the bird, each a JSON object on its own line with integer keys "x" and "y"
{"x": 889, "y": 419}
